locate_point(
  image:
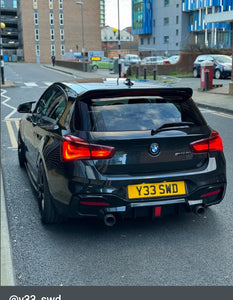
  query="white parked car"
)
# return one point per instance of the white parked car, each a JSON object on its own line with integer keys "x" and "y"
{"x": 171, "y": 60}
{"x": 131, "y": 59}
{"x": 151, "y": 60}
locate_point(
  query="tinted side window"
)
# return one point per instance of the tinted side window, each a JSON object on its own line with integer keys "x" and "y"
{"x": 57, "y": 106}
{"x": 44, "y": 102}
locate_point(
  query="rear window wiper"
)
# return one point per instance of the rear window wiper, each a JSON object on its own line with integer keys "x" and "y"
{"x": 172, "y": 126}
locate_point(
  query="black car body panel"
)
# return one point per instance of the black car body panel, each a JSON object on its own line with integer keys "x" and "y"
{"x": 105, "y": 149}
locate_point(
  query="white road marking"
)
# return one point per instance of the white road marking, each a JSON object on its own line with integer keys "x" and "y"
{"x": 48, "y": 83}
{"x": 30, "y": 84}
{"x": 3, "y": 92}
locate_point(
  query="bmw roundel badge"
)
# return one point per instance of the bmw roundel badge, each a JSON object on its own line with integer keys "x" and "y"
{"x": 154, "y": 149}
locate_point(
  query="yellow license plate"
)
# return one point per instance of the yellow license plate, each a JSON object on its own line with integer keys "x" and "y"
{"x": 152, "y": 190}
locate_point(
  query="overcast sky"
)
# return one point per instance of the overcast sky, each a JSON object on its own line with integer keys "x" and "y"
{"x": 111, "y": 17}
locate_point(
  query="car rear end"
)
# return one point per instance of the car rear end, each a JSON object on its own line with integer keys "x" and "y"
{"x": 142, "y": 153}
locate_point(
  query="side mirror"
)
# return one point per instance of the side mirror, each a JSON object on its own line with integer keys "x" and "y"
{"x": 25, "y": 107}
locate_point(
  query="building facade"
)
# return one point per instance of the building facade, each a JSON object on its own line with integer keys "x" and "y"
{"x": 10, "y": 38}
{"x": 170, "y": 26}
{"x": 204, "y": 29}
{"x": 54, "y": 27}
{"x": 161, "y": 26}
{"x": 110, "y": 40}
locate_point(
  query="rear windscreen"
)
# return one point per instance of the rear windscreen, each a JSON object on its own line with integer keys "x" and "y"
{"x": 139, "y": 114}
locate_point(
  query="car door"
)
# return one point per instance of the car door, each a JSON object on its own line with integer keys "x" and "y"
{"x": 42, "y": 123}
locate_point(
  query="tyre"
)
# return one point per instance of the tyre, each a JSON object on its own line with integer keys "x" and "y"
{"x": 217, "y": 74}
{"x": 21, "y": 152}
{"x": 48, "y": 211}
{"x": 95, "y": 68}
{"x": 195, "y": 73}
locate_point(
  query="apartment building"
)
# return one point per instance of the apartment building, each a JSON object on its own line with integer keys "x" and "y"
{"x": 161, "y": 26}
{"x": 206, "y": 29}
{"x": 54, "y": 27}
{"x": 170, "y": 26}
{"x": 10, "y": 42}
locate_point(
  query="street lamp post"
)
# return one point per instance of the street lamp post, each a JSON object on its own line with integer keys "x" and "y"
{"x": 1, "y": 53}
{"x": 119, "y": 39}
{"x": 83, "y": 49}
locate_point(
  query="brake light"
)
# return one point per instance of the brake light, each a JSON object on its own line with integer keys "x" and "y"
{"x": 211, "y": 144}
{"x": 76, "y": 148}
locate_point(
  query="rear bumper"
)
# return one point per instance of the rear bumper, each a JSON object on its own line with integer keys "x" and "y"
{"x": 99, "y": 197}
{"x": 84, "y": 205}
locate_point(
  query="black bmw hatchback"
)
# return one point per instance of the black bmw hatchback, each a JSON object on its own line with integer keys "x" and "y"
{"x": 110, "y": 150}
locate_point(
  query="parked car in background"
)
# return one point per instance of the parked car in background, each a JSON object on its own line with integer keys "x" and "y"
{"x": 117, "y": 150}
{"x": 222, "y": 65}
{"x": 104, "y": 63}
{"x": 131, "y": 59}
{"x": 171, "y": 60}
{"x": 150, "y": 60}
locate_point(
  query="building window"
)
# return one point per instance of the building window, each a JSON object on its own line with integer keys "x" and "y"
{"x": 148, "y": 41}
{"x": 61, "y": 19}
{"x": 166, "y": 3}
{"x": 166, "y": 21}
{"x": 142, "y": 41}
{"x": 37, "y": 50}
{"x": 177, "y": 32}
{"x": 51, "y": 4}
{"x": 36, "y": 21}
{"x": 35, "y": 4}
{"x": 36, "y": 34}
{"x": 177, "y": 5}
{"x": 166, "y": 39}
{"x": 177, "y": 19}
{"x": 62, "y": 49}
{"x": 51, "y": 17}
{"x": 14, "y": 3}
{"x": 191, "y": 19}
{"x": 52, "y": 34}
{"x": 53, "y": 52}
{"x": 138, "y": 13}
{"x": 61, "y": 4}
{"x": 154, "y": 40}
{"x": 62, "y": 34}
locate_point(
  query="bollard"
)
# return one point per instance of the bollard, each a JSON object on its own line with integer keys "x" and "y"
{"x": 137, "y": 72}
{"x": 155, "y": 74}
{"x": 129, "y": 71}
{"x": 145, "y": 73}
{"x": 207, "y": 80}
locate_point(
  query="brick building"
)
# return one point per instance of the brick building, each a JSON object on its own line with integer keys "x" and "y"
{"x": 48, "y": 27}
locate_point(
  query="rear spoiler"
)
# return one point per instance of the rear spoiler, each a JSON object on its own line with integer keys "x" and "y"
{"x": 178, "y": 94}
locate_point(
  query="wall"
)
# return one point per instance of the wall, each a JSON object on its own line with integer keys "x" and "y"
{"x": 183, "y": 66}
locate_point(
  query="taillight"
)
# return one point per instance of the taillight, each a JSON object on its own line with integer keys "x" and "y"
{"x": 76, "y": 148}
{"x": 211, "y": 144}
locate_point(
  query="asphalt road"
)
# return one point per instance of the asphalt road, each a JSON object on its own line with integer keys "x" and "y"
{"x": 184, "y": 250}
